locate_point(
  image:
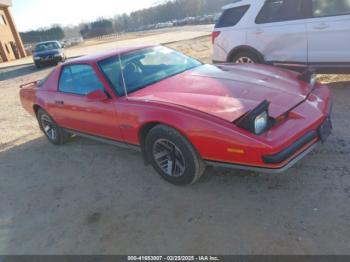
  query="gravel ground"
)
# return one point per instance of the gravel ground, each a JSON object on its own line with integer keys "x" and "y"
{"x": 90, "y": 198}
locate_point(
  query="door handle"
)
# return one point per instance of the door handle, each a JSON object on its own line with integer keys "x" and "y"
{"x": 258, "y": 31}
{"x": 321, "y": 26}
{"x": 59, "y": 102}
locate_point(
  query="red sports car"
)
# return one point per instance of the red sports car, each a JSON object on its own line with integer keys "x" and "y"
{"x": 182, "y": 114}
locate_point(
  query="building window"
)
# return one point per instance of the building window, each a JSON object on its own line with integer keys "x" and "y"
{"x": 7, "y": 48}
{"x": 2, "y": 20}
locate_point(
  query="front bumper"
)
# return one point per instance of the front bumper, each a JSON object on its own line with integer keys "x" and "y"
{"x": 262, "y": 169}
{"x": 49, "y": 59}
{"x": 291, "y": 150}
{"x": 322, "y": 134}
{"x": 294, "y": 153}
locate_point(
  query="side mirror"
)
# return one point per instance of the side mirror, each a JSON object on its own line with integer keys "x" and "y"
{"x": 97, "y": 95}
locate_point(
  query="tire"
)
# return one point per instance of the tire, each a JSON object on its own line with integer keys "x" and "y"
{"x": 164, "y": 146}
{"x": 246, "y": 58}
{"x": 37, "y": 65}
{"x": 56, "y": 135}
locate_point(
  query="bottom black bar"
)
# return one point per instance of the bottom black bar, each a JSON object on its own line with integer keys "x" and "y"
{"x": 150, "y": 258}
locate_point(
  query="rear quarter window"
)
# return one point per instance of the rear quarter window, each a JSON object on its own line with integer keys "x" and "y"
{"x": 282, "y": 10}
{"x": 231, "y": 17}
{"x": 324, "y": 8}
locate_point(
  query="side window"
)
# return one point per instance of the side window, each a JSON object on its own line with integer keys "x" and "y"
{"x": 79, "y": 79}
{"x": 281, "y": 10}
{"x": 231, "y": 17}
{"x": 2, "y": 20}
{"x": 322, "y": 8}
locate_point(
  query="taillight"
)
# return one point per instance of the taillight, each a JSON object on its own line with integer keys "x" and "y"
{"x": 214, "y": 35}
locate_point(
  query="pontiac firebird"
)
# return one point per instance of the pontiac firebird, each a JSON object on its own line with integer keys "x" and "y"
{"x": 181, "y": 114}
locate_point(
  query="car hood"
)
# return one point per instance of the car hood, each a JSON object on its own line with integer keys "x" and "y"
{"x": 229, "y": 91}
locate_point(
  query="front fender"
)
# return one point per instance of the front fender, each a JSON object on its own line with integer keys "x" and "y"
{"x": 214, "y": 139}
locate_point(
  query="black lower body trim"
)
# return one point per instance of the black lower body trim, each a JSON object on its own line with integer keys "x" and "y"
{"x": 104, "y": 140}
{"x": 291, "y": 150}
{"x": 219, "y": 62}
{"x": 320, "y": 67}
{"x": 263, "y": 169}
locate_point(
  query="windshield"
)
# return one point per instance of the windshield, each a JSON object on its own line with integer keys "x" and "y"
{"x": 144, "y": 67}
{"x": 47, "y": 47}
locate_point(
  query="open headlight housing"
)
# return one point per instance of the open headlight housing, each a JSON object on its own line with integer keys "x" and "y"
{"x": 256, "y": 121}
{"x": 313, "y": 80}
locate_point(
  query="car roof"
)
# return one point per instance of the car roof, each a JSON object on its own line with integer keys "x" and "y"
{"x": 236, "y": 3}
{"x": 107, "y": 54}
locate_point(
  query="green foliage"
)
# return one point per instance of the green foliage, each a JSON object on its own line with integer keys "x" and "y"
{"x": 169, "y": 10}
{"x": 97, "y": 28}
{"x": 53, "y": 33}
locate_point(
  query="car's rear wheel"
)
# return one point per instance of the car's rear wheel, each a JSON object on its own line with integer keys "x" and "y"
{"x": 52, "y": 131}
{"x": 245, "y": 58}
{"x": 173, "y": 156}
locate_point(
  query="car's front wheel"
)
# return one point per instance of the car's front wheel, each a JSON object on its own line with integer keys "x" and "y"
{"x": 55, "y": 134}
{"x": 173, "y": 156}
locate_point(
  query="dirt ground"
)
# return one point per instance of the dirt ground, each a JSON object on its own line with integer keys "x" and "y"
{"x": 90, "y": 198}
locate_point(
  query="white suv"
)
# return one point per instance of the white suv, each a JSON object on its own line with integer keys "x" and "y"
{"x": 290, "y": 33}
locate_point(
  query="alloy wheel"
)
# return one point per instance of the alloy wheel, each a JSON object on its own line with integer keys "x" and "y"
{"x": 169, "y": 158}
{"x": 48, "y": 127}
{"x": 244, "y": 60}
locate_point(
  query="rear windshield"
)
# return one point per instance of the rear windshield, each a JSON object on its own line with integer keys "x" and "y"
{"x": 231, "y": 17}
{"x": 41, "y": 82}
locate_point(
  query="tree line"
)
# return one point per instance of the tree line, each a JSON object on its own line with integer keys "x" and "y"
{"x": 54, "y": 33}
{"x": 167, "y": 11}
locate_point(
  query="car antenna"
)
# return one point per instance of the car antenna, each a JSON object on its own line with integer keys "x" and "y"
{"x": 121, "y": 69}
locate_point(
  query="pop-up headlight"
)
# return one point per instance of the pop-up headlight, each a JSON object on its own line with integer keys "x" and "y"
{"x": 256, "y": 121}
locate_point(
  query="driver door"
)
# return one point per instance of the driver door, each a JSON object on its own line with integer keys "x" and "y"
{"x": 74, "y": 111}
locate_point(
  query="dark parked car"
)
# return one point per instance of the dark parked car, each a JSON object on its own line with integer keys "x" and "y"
{"x": 48, "y": 53}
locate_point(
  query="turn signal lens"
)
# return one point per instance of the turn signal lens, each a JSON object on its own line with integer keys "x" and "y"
{"x": 235, "y": 151}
